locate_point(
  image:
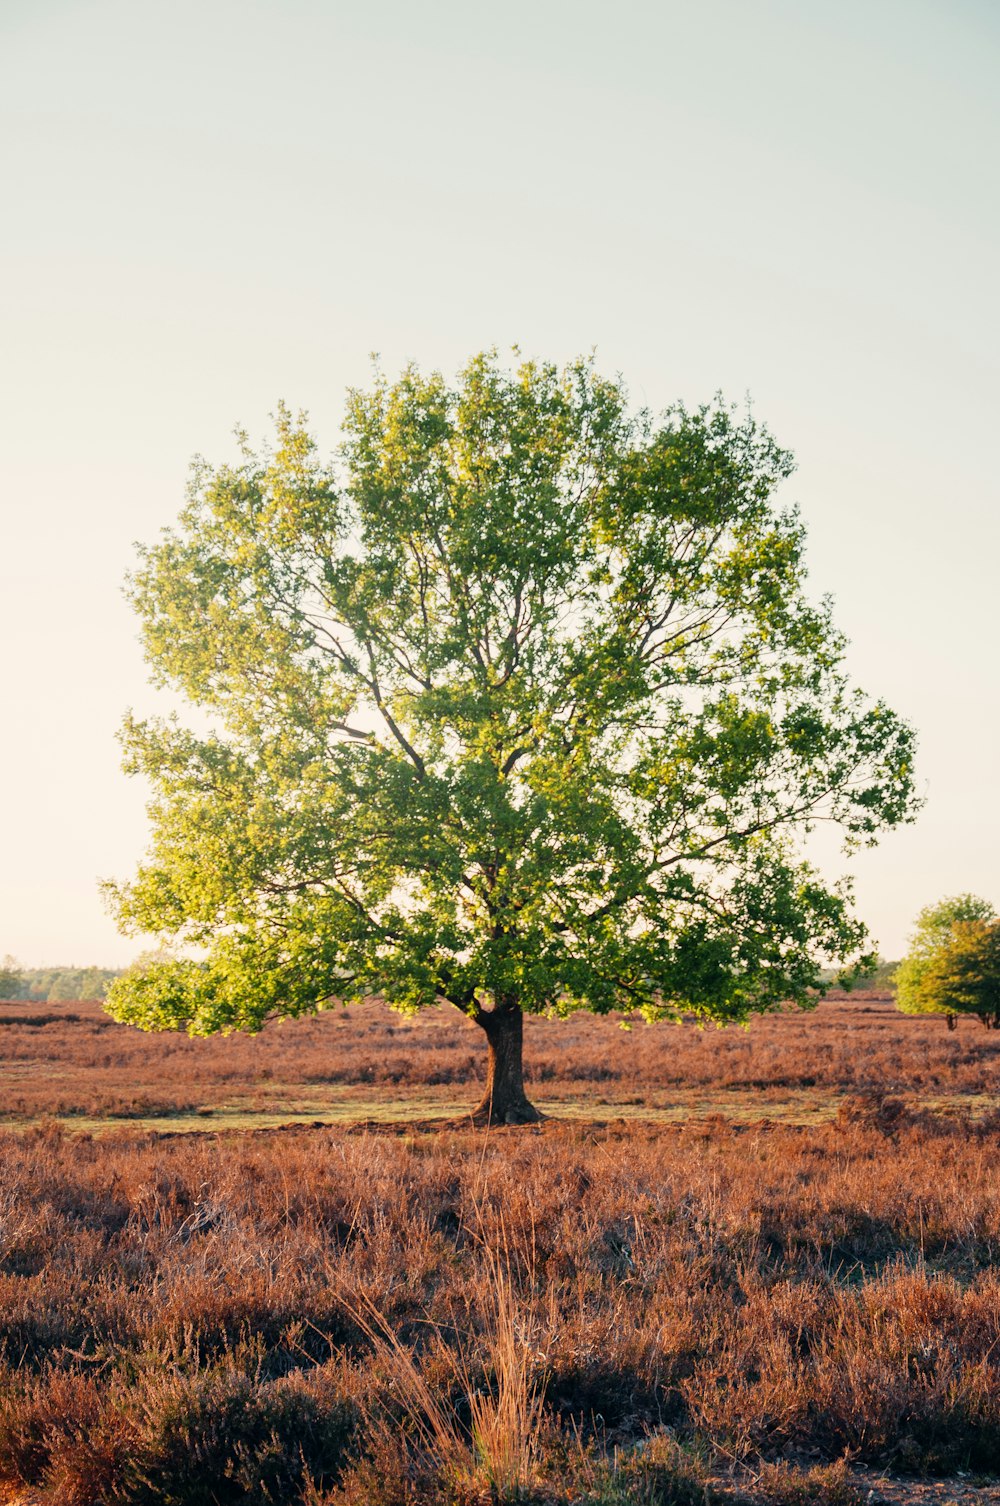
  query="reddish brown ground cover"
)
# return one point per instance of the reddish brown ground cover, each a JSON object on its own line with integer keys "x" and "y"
{"x": 74, "y": 1061}
{"x": 706, "y": 1310}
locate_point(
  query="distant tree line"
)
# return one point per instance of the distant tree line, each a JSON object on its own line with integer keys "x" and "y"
{"x": 880, "y": 978}
{"x": 57, "y": 985}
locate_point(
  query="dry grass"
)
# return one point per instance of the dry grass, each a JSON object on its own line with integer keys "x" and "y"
{"x": 369, "y": 1063}
{"x": 476, "y": 1430}
{"x": 780, "y": 1294}
{"x": 601, "y": 1314}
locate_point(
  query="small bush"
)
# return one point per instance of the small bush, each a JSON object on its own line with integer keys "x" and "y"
{"x": 43, "y": 1417}
{"x": 782, "y": 1484}
{"x": 659, "y": 1472}
{"x": 208, "y": 1440}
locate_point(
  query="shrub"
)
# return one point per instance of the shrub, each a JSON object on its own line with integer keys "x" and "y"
{"x": 207, "y": 1438}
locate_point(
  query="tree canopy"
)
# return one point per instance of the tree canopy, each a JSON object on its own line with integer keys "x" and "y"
{"x": 953, "y": 965}
{"x": 519, "y": 704}
{"x": 11, "y": 977}
{"x": 58, "y": 984}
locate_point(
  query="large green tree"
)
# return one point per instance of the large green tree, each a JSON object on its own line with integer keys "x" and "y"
{"x": 953, "y": 965}
{"x": 521, "y": 705}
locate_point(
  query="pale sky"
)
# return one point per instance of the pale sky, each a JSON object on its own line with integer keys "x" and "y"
{"x": 212, "y": 206}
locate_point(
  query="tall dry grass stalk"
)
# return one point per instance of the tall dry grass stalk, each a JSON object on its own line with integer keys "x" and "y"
{"x": 499, "y": 1445}
{"x": 507, "y": 1422}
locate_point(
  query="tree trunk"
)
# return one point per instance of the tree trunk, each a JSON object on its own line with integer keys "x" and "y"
{"x": 504, "y": 1101}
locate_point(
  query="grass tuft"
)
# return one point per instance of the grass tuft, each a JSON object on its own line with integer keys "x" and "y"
{"x": 478, "y": 1421}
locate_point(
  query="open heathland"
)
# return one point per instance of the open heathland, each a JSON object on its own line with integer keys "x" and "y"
{"x": 71, "y": 1062}
{"x": 728, "y": 1305}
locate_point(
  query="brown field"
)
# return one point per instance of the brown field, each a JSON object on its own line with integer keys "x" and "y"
{"x": 736, "y": 1266}
{"x": 72, "y": 1063}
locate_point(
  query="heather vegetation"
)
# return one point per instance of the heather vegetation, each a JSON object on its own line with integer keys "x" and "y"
{"x": 721, "y": 1308}
{"x": 77, "y": 1064}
